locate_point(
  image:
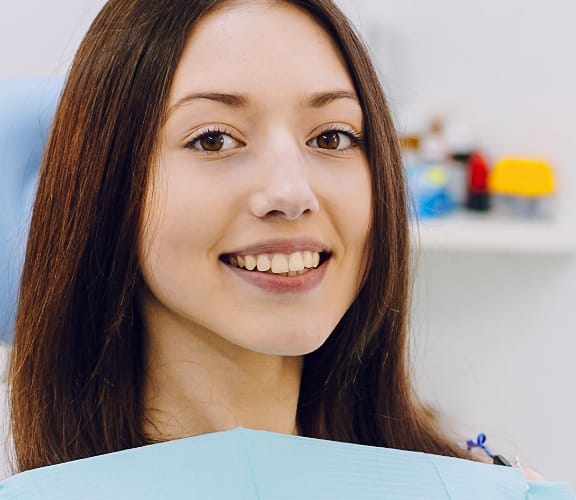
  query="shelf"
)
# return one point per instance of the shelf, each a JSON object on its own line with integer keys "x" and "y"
{"x": 486, "y": 233}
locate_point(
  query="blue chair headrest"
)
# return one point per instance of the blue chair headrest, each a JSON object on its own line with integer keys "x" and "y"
{"x": 27, "y": 107}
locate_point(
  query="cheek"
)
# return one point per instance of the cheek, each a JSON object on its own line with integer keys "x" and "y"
{"x": 348, "y": 197}
{"x": 179, "y": 226}
{"x": 183, "y": 207}
{"x": 358, "y": 218}
{"x": 355, "y": 206}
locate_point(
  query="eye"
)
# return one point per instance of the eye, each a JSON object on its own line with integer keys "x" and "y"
{"x": 337, "y": 140}
{"x": 213, "y": 141}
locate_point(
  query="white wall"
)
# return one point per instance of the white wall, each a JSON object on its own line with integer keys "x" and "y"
{"x": 494, "y": 334}
{"x": 503, "y": 67}
{"x": 39, "y": 37}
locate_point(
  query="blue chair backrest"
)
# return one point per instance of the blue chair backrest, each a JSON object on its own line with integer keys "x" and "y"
{"x": 27, "y": 107}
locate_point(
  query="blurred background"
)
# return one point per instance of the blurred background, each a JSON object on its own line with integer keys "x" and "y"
{"x": 482, "y": 94}
{"x": 493, "y": 312}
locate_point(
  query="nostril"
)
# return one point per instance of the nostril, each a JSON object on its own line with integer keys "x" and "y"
{"x": 275, "y": 213}
{"x": 286, "y": 202}
{"x": 287, "y": 214}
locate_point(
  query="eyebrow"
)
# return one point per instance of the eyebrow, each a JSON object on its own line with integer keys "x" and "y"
{"x": 316, "y": 100}
{"x": 321, "y": 99}
{"x": 232, "y": 100}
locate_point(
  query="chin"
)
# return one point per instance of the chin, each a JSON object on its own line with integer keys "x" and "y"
{"x": 290, "y": 344}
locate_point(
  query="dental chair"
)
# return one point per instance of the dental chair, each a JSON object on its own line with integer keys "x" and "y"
{"x": 27, "y": 106}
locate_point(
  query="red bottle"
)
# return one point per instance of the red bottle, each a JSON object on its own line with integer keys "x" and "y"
{"x": 478, "y": 198}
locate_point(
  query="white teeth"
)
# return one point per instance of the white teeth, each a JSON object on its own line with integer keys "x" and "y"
{"x": 250, "y": 262}
{"x": 263, "y": 263}
{"x": 279, "y": 263}
{"x": 308, "y": 260}
{"x": 293, "y": 264}
{"x": 315, "y": 259}
{"x": 296, "y": 262}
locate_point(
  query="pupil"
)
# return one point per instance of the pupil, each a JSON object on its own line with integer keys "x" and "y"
{"x": 329, "y": 141}
{"x": 212, "y": 142}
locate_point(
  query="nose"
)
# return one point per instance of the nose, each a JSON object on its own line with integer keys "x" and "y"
{"x": 285, "y": 190}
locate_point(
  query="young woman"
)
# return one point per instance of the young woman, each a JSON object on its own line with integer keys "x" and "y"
{"x": 219, "y": 239}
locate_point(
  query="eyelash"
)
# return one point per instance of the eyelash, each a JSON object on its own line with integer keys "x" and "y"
{"x": 355, "y": 137}
{"x": 217, "y": 130}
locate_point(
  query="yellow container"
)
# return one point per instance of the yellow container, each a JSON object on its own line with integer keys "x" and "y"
{"x": 523, "y": 177}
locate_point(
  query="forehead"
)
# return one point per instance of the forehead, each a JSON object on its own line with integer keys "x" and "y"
{"x": 258, "y": 48}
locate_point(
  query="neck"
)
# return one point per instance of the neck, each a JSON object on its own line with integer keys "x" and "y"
{"x": 198, "y": 384}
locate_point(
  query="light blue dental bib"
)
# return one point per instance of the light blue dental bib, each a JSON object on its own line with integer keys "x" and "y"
{"x": 247, "y": 464}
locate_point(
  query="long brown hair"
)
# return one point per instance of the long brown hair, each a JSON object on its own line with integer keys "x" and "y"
{"x": 77, "y": 361}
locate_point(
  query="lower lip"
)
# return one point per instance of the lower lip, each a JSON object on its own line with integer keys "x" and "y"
{"x": 277, "y": 283}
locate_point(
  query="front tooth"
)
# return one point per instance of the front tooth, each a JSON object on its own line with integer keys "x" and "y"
{"x": 308, "y": 259}
{"x": 240, "y": 260}
{"x": 296, "y": 262}
{"x": 263, "y": 263}
{"x": 315, "y": 259}
{"x": 279, "y": 264}
{"x": 250, "y": 262}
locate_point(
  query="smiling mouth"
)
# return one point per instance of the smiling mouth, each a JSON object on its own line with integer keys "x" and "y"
{"x": 293, "y": 264}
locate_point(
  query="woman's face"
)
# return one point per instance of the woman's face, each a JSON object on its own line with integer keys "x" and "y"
{"x": 259, "y": 208}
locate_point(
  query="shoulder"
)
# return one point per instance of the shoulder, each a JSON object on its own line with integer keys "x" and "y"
{"x": 6, "y": 468}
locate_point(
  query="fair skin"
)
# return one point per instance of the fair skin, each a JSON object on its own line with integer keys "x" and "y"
{"x": 259, "y": 164}
{"x": 223, "y": 349}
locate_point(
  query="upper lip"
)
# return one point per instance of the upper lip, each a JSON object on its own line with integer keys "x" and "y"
{"x": 284, "y": 246}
